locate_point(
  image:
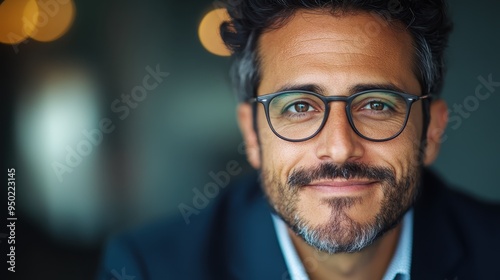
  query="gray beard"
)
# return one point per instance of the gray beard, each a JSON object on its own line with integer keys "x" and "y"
{"x": 342, "y": 234}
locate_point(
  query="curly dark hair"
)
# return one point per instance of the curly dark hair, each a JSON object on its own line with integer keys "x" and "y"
{"x": 426, "y": 20}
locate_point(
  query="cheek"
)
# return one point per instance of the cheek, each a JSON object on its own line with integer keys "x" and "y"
{"x": 270, "y": 146}
{"x": 415, "y": 122}
{"x": 412, "y": 135}
{"x": 401, "y": 153}
{"x": 410, "y": 142}
{"x": 279, "y": 157}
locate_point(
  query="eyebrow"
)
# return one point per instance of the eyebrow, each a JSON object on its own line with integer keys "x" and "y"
{"x": 352, "y": 90}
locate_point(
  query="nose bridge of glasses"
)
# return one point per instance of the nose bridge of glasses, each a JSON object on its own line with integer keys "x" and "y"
{"x": 337, "y": 139}
{"x": 334, "y": 106}
{"x": 336, "y": 118}
{"x": 329, "y": 99}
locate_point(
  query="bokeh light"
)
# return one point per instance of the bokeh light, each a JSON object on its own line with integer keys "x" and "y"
{"x": 14, "y": 17}
{"x": 53, "y": 20}
{"x": 61, "y": 103}
{"x": 209, "y": 34}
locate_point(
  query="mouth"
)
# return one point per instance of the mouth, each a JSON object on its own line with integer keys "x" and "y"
{"x": 341, "y": 186}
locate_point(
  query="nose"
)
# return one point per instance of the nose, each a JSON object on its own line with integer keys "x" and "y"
{"x": 337, "y": 141}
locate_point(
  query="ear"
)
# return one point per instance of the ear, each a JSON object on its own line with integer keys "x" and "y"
{"x": 245, "y": 121}
{"x": 437, "y": 125}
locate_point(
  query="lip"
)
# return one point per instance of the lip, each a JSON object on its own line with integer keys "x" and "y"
{"x": 344, "y": 186}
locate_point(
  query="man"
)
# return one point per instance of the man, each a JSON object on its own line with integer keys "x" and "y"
{"x": 340, "y": 115}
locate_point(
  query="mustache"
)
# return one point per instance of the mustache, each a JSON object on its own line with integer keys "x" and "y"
{"x": 349, "y": 170}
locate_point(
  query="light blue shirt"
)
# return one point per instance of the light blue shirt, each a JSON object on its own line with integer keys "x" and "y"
{"x": 399, "y": 268}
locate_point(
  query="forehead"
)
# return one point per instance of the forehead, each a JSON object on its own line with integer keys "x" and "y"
{"x": 326, "y": 49}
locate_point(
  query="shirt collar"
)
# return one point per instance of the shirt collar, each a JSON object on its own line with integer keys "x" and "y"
{"x": 399, "y": 268}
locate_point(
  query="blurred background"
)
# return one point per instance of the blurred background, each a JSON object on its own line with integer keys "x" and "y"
{"x": 113, "y": 111}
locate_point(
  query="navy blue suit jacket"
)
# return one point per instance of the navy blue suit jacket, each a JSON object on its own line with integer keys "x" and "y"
{"x": 455, "y": 237}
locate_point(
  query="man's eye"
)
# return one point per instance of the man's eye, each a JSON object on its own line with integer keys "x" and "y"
{"x": 300, "y": 107}
{"x": 376, "y": 106}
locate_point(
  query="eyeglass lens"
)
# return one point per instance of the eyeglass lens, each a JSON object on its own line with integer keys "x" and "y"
{"x": 375, "y": 115}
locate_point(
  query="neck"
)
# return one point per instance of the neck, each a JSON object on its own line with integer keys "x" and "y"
{"x": 370, "y": 263}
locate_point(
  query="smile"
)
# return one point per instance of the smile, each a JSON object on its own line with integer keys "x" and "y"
{"x": 341, "y": 186}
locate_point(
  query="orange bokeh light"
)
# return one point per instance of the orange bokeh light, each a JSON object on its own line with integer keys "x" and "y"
{"x": 208, "y": 32}
{"x": 13, "y": 18}
{"x": 53, "y": 21}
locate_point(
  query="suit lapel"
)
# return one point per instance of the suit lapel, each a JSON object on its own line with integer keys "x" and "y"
{"x": 437, "y": 250}
{"x": 254, "y": 251}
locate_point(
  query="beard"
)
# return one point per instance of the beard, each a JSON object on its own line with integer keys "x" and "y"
{"x": 341, "y": 233}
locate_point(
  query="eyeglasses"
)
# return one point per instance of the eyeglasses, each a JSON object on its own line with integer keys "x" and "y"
{"x": 375, "y": 115}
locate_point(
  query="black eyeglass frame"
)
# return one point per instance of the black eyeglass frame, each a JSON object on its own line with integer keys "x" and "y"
{"x": 409, "y": 98}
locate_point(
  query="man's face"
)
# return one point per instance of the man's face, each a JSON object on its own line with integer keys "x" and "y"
{"x": 337, "y": 190}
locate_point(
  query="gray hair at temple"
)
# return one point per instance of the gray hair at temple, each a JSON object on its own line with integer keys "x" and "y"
{"x": 426, "y": 20}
